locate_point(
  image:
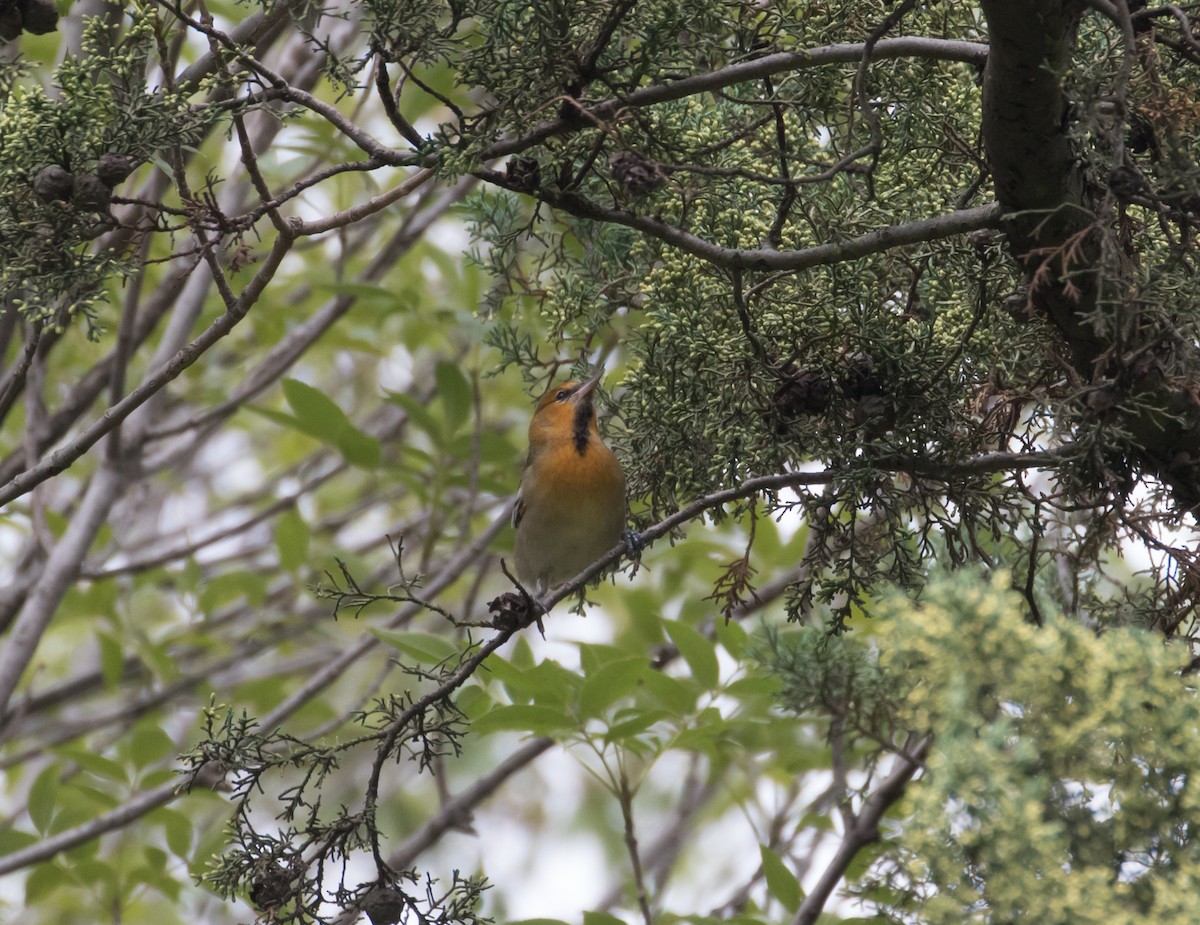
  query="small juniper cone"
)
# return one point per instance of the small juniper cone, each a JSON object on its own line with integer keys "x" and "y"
{"x": 511, "y": 611}
{"x": 92, "y": 194}
{"x": 384, "y": 905}
{"x": 636, "y": 174}
{"x": 114, "y": 169}
{"x": 54, "y": 184}
{"x": 41, "y": 16}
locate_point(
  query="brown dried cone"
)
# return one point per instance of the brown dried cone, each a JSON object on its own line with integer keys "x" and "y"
{"x": 54, "y": 184}
{"x": 1017, "y": 306}
{"x": 384, "y": 905}
{"x": 861, "y": 379}
{"x": 801, "y": 392}
{"x": 272, "y": 883}
{"x": 636, "y": 174}
{"x": 1128, "y": 184}
{"x": 114, "y": 169}
{"x": 524, "y": 173}
{"x": 513, "y": 611}
{"x": 1140, "y": 137}
{"x": 92, "y": 194}
{"x": 38, "y": 16}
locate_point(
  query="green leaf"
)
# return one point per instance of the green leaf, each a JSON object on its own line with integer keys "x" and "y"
{"x": 418, "y": 414}
{"x": 291, "y": 539}
{"x": 455, "y": 393}
{"x": 697, "y": 651}
{"x": 522, "y": 655}
{"x": 521, "y": 717}
{"x": 225, "y": 589}
{"x": 753, "y": 687}
{"x": 473, "y": 701}
{"x": 81, "y": 800}
{"x": 148, "y": 744}
{"x": 732, "y": 637}
{"x": 112, "y": 659}
{"x": 283, "y": 419}
{"x": 703, "y": 739}
{"x": 781, "y": 882}
{"x": 94, "y": 764}
{"x": 177, "y": 827}
{"x": 45, "y": 880}
{"x": 514, "y": 679}
{"x": 601, "y": 918}
{"x": 424, "y": 647}
{"x": 609, "y": 683}
{"x": 316, "y": 412}
{"x": 547, "y": 682}
{"x": 642, "y": 607}
{"x": 14, "y": 840}
{"x": 552, "y": 684}
{"x": 672, "y": 694}
{"x": 593, "y": 656}
{"x": 359, "y": 449}
{"x": 370, "y": 293}
{"x": 154, "y": 875}
{"x": 152, "y": 779}
{"x": 162, "y": 662}
{"x": 43, "y": 797}
{"x": 319, "y": 416}
{"x": 637, "y": 722}
{"x": 98, "y": 874}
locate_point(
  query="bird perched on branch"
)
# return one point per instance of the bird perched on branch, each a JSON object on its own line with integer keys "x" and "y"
{"x": 570, "y": 509}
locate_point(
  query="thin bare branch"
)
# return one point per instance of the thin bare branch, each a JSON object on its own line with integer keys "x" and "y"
{"x": 862, "y": 832}
{"x": 62, "y": 459}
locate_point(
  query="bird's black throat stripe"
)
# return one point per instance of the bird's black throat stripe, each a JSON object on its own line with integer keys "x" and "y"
{"x": 583, "y": 418}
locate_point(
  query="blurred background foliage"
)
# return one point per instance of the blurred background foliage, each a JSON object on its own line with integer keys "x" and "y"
{"x": 280, "y": 283}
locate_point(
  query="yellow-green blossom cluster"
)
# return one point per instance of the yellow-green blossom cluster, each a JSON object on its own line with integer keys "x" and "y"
{"x": 1060, "y": 774}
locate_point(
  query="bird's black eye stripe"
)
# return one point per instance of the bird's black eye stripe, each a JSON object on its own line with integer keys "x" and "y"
{"x": 562, "y": 394}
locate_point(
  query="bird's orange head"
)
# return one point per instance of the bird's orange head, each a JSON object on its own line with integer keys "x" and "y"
{"x": 566, "y": 412}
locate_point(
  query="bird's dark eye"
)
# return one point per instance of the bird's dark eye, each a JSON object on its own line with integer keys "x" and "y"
{"x": 562, "y": 395}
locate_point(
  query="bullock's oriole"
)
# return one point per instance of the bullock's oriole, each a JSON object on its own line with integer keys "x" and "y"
{"x": 571, "y": 507}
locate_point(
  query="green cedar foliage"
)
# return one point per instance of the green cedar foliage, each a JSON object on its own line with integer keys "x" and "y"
{"x": 1059, "y": 775}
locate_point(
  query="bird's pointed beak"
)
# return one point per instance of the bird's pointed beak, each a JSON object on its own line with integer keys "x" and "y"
{"x": 587, "y": 388}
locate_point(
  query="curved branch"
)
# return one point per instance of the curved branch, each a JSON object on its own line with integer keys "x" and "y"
{"x": 319, "y": 680}
{"x": 457, "y": 810}
{"x": 130, "y": 811}
{"x": 749, "y": 258}
{"x": 979, "y": 465}
{"x": 902, "y": 47}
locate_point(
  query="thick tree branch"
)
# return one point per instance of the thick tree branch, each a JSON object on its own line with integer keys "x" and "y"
{"x": 749, "y": 258}
{"x": 60, "y": 571}
{"x": 1060, "y": 233}
{"x": 743, "y": 72}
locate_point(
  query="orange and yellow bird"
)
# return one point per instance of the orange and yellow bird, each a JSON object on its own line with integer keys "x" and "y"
{"x": 570, "y": 509}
